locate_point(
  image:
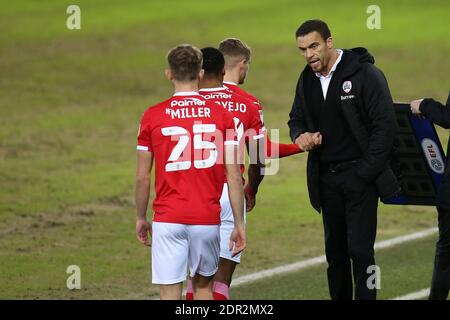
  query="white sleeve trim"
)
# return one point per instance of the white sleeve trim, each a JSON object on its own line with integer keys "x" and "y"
{"x": 259, "y": 136}
{"x": 231, "y": 142}
{"x": 142, "y": 148}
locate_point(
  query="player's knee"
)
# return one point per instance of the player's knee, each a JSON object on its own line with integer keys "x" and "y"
{"x": 170, "y": 292}
{"x": 201, "y": 282}
{"x": 225, "y": 271}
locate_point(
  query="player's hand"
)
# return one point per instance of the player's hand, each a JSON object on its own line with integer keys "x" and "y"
{"x": 143, "y": 230}
{"x": 415, "y": 105}
{"x": 250, "y": 200}
{"x": 308, "y": 141}
{"x": 238, "y": 241}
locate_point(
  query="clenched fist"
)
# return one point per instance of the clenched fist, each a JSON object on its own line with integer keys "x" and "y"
{"x": 308, "y": 141}
{"x": 415, "y": 106}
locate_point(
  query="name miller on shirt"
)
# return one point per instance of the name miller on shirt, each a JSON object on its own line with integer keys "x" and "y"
{"x": 186, "y": 113}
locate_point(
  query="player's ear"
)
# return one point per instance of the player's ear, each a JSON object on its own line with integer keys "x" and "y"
{"x": 244, "y": 64}
{"x": 168, "y": 74}
{"x": 201, "y": 74}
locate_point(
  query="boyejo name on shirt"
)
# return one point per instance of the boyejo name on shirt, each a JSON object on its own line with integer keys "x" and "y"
{"x": 233, "y": 106}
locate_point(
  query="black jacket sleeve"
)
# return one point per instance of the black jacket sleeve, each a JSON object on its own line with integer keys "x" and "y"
{"x": 436, "y": 112}
{"x": 379, "y": 108}
{"x": 296, "y": 123}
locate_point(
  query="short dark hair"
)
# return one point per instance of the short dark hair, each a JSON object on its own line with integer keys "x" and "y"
{"x": 213, "y": 61}
{"x": 311, "y": 26}
{"x": 185, "y": 62}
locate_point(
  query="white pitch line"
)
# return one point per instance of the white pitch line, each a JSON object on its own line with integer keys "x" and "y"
{"x": 278, "y": 270}
{"x": 406, "y": 238}
{"x": 415, "y": 295}
{"x": 321, "y": 259}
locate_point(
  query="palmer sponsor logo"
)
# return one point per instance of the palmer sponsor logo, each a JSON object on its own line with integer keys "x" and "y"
{"x": 217, "y": 95}
{"x": 187, "y": 102}
{"x": 434, "y": 157}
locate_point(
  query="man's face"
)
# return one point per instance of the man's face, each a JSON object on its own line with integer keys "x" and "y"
{"x": 317, "y": 52}
{"x": 244, "y": 66}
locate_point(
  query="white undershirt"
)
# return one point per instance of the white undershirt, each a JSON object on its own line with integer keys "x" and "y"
{"x": 229, "y": 82}
{"x": 186, "y": 93}
{"x": 212, "y": 89}
{"x": 325, "y": 80}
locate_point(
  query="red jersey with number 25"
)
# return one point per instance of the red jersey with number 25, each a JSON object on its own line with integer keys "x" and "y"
{"x": 186, "y": 134}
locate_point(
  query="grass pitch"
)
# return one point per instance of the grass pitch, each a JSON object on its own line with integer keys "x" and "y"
{"x": 70, "y": 105}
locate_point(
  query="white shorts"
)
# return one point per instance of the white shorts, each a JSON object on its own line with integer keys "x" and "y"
{"x": 175, "y": 247}
{"x": 227, "y": 226}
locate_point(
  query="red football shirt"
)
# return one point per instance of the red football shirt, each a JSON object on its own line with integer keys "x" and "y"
{"x": 282, "y": 149}
{"x": 238, "y": 90}
{"x": 186, "y": 134}
{"x": 245, "y": 114}
{"x": 235, "y": 88}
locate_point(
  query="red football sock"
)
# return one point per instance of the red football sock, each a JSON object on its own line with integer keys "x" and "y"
{"x": 220, "y": 291}
{"x": 189, "y": 291}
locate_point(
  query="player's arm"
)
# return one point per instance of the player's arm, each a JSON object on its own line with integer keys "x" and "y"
{"x": 142, "y": 195}
{"x": 236, "y": 195}
{"x": 280, "y": 150}
{"x": 255, "y": 149}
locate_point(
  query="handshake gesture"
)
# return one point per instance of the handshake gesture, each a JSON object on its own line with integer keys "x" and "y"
{"x": 308, "y": 141}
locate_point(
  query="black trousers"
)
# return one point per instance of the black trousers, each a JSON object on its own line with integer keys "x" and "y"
{"x": 349, "y": 211}
{"x": 440, "y": 283}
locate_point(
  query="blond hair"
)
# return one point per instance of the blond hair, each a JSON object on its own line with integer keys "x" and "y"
{"x": 234, "y": 51}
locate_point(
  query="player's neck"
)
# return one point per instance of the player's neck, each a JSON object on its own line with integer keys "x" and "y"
{"x": 210, "y": 83}
{"x": 185, "y": 86}
{"x": 232, "y": 76}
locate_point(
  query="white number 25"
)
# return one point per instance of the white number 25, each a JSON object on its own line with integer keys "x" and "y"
{"x": 199, "y": 144}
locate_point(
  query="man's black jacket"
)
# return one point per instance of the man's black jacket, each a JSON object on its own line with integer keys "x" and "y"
{"x": 440, "y": 115}
{"x": 368, "y": 109}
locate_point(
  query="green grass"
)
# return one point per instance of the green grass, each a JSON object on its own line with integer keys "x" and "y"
{"x": 71, "y": 101}
{"x": 404, "y": 269}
